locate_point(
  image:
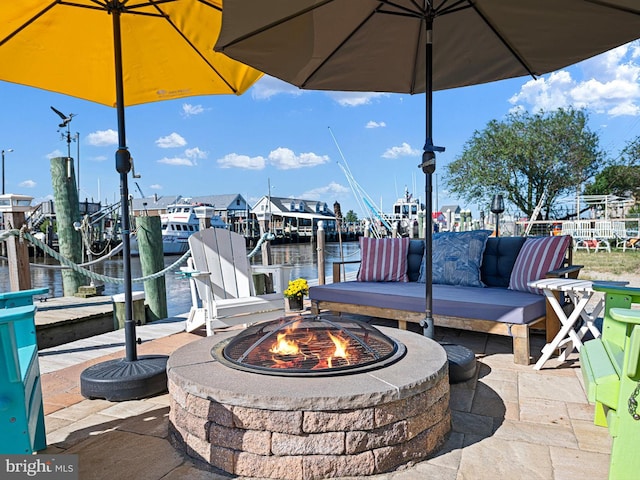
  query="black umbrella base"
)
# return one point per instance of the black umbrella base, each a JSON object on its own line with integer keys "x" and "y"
{"x": 462, "y": 362}
{"x": 119, "y": 380}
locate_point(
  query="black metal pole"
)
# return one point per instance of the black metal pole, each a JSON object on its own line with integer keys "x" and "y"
{"x": 123, "y": 166}
{"x": 132, "y": 377}
{"x": 428, "y": 167}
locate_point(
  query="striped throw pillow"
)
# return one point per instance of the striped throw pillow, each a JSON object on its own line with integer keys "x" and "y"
{"x": 383, "y": 260}
{"x": 537, "y": 257}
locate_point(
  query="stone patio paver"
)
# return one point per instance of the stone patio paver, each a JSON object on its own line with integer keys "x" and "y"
{"x": 509, "y": 422}
{"x": 496, "y": 458}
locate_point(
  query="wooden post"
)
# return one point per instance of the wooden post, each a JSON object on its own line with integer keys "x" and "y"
{"x": 149, "y": 234}
{"x": 17, "y": 254}
{"x": 65, "y": 194}
{"x": 265, "y": 248}
{"x": 321, "y": 234}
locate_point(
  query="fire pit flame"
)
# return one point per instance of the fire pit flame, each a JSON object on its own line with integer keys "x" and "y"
{"x": 289, "y": 352}
{"x": 284, "y": 346}
{"x": 309, "y": 345}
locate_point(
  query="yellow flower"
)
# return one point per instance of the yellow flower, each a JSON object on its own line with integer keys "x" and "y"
{"x": 297, "y": 288}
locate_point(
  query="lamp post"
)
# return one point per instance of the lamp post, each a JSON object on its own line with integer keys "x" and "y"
{"x": 77, "y": 139}
{"x": 497, "y": 207}
{"x": 8, "y": 150}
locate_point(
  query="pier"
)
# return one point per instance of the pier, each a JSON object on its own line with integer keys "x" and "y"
{"x": 62, "y": 320}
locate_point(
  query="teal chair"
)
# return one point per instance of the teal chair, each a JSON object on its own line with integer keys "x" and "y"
{"x": 22, "y": 429}
{"x": 20, "y": 298}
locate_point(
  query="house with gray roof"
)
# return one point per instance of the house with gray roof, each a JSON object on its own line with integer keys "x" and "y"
{"x": 293, "y": 217}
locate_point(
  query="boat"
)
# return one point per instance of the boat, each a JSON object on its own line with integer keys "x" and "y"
{"x": 178, "y": 224}
{"x": 405, "y": 214}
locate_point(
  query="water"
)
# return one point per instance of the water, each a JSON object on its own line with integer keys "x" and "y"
{"x": 303, "y": 257}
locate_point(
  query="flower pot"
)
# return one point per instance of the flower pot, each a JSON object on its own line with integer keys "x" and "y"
{"x": 294, "y": 304}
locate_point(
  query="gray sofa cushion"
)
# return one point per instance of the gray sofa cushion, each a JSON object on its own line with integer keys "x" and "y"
{"x": 500, "y": 255}
{"x": 414, "y": 259}
{"x": 496, "y": 304}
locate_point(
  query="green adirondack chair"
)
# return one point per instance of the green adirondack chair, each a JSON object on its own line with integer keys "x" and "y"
{"x": 611, "y": 371}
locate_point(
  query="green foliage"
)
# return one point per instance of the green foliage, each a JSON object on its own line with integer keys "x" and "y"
{"x": 351, "y": 217}
{"x": 622, "y": 176}
{"x": 524, "y": 156}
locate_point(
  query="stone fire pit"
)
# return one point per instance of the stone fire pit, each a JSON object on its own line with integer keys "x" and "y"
{"x": 294, "y": 428}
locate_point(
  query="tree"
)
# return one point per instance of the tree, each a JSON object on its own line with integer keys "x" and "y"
{"x": 351, "y": 217}
{"x": 524, "y": 156}
{"x": 621, "y": 177}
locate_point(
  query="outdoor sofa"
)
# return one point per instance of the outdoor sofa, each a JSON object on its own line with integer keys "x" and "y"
{"x": 488, "y": 294}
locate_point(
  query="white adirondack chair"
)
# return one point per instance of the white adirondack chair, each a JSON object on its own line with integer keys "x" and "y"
{"x": 222, "y": 289}
{"x": 623, "y": 239}
{"x": 603, "y": 232}
{"x": 583, "y": 235}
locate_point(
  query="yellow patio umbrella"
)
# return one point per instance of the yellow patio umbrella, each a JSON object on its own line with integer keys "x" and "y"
{"x": 119, "y": 53}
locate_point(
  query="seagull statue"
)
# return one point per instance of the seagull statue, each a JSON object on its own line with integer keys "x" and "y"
{"x": 65, "y": 119}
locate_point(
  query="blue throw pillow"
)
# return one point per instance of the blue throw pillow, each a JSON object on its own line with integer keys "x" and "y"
{"x": 457, "y": 257}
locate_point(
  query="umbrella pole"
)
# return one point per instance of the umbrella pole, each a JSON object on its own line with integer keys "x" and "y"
{"x": 461, "y": 360}
{"x": 428, "y": 166}
{"x": 132, "y": 377}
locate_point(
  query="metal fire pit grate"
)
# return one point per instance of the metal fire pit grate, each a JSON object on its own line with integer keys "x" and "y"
{"x": 323, "y": 347}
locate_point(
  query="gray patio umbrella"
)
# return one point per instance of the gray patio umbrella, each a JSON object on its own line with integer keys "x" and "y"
{"x": 416, "y": 46}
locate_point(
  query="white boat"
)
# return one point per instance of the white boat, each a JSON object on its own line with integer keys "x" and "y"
{"x": 405, "y": 214}
{"x": 178, "y": 224}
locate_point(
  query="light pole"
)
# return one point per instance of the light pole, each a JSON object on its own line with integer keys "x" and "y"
{"x": 497, "y": 207}
{"x": 77, "y": 139}
{"x": 8, "y": 150}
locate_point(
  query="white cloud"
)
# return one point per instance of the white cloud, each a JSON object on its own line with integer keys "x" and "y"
{"x": 611, "y": 86}
{"x": 322, "y": 193}
{"x": 177, "y": 161}
{"x": 372, "y": 124}
{"x": 27, "y": 184}
{"x": 189, "y": 110}
{"x": 355, "y": 99}
{"x": 55, "y": 154}
{"x": 195, "y": 153}
{"x": 103, "y": 138}
{"x": 267, "y": 87}
{"x": 403, "y": 150}
{"x": 233, "y": 160}
{"x": 98, "y": 158}
{"x": 172, "y": 140}
{"x": 155, "y": 186}
{"x": 285, "y": 159}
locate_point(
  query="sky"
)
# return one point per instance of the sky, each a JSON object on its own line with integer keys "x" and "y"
{"x": 297, "y": 142}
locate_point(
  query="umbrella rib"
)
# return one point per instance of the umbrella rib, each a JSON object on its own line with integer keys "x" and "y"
{"x": 27, "y": 23}
{"x": 620, "y": 8}
{"x": 504, "y": 42}
{"x": 211, "y": 5}
{"x": 274, "y": 24}
{"x": 335, "y": 50}
{"x": 193, "y": 47}
{"x": 123, "y": 8}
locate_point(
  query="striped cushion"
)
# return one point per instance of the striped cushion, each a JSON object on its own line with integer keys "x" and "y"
{"x": 383, "y": 260}
{"x": 537, "y": 257}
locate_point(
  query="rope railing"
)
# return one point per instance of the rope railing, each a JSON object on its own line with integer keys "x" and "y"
{"x": 267, "y": 236}
{"x": 24, "y": 235}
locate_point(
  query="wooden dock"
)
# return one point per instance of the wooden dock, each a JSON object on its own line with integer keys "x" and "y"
{"x": 65, "y": 319}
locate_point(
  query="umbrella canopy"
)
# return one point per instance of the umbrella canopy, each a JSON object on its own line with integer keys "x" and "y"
{"x": 414, "y": 46}
{"x": 119, "y": 53}
{"x": 167, "y": 49}
{"x": 379, "y": 45}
